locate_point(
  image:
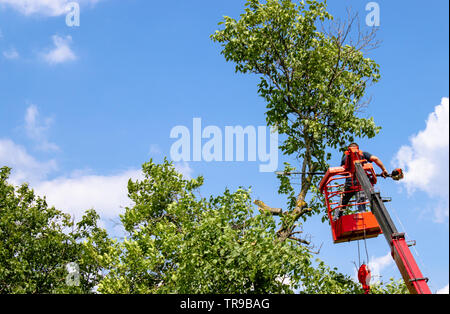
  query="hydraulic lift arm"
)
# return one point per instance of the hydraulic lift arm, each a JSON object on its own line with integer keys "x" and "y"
{"x": 400, "y": 252}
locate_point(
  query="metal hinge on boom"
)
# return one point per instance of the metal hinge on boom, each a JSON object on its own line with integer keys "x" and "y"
{"x": 411, "y": 243}
{"x": 419, "y": 279}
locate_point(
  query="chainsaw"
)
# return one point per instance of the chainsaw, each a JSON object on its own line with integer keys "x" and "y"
{"x": 397, "y": 174}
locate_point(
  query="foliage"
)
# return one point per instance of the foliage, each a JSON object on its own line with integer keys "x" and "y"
{"x": 37, "y": 242}
{"x": 391, "y": 287}
{"x": 324, "y": 280}
{"x": 179, "y": 243}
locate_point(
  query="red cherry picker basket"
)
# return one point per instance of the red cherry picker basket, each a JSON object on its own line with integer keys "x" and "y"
{"x": 367, "y": 224}
{"x": 339, "y": 181}
{"x": 354, "y": 226}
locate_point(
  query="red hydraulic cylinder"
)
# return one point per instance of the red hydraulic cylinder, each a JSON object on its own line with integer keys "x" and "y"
{"x": 407, "y": 265}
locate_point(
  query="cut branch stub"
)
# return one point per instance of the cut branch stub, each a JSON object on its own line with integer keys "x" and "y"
{"x": 264, "y": 207}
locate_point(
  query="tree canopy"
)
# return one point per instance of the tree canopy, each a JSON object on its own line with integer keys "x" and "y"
{"x": 177, "y": 242}
{"x": 37, "y": 242}
{"x": 180, "y": 243}
{"x": 312, "y": 79}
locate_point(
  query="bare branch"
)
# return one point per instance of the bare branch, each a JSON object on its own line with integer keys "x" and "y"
{"x": 318, "y": 251}
{"x": 300, "y": 240}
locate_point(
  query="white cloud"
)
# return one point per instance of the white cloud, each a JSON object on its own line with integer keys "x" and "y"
{"x": 73, "y": 194}
{"x": 45, "y": 7}
{"x": 61, "y": 52}
{"x": 25, "y": 168}
{"x": 425, "y": 160}
{"x": 37, "y": 130}
{"x": 77, "y": 192}
{"x": 42, "y": 7}
{"x": 108, "y": 195}
{"x": 443, "y": 290}
{"x": 11, "y": 53}
{"x": 378, "y": 264}
{"x": 184, "y": 169}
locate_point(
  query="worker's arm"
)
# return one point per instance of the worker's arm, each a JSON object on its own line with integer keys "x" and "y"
{"x": 379, "y": 163}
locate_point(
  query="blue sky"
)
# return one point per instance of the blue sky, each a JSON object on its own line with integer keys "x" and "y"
{"x": 81, "y": 108}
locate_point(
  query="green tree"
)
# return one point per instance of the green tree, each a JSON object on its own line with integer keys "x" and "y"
{"x": 312, "y": 80}
{"x": 390, "y": 287}
{"x": 179, "y": 242}
{"x": 37, "y": 242}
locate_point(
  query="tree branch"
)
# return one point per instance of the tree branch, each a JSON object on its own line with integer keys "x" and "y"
{"x": 300, "y": 240}
{"x": 264, "y": 207}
